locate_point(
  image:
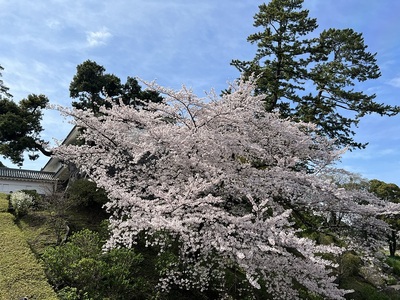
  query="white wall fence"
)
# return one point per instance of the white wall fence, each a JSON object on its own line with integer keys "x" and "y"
{"x": 13, "y": 180}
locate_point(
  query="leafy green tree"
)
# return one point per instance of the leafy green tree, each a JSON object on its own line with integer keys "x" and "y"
{"x": 91, "y": 85}
{"x": 20, "y": 128}
{"x": 389, "y": 192}
{"x": 386, "y": 191}
{"x": 290, "y": 61}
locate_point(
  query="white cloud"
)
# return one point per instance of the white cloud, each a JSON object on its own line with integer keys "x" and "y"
{"x": 97, "y": 38}
{"x": 395, "y": 82}
{"x": 53, "y": 24}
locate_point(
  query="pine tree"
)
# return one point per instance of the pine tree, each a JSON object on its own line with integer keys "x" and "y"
{"x": 310, "y": 78}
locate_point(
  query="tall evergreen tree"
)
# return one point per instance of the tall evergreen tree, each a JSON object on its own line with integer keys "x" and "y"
{"x": 311, "y": 78}
{"x": 91, "y": 85}
{"x": 132, "y": 94}
{"x": 3, "y": 89}
{"x": 20, "y": 126}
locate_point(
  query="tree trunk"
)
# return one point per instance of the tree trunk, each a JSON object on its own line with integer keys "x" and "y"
{"x": 392, "y": 243}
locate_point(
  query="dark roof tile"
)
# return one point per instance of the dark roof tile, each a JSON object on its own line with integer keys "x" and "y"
{"x": 25, "y": 174}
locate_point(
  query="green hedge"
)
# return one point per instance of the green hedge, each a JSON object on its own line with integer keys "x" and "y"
{"x": 21, "y": 275}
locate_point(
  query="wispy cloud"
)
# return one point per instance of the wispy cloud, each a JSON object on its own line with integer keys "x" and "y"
{"x": 395, "y": 82}
{"x": 189, "y": 42}
{"x": 98, "y": 38}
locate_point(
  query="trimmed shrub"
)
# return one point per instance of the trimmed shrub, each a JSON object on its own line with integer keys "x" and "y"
{"x": 21, "y": 203}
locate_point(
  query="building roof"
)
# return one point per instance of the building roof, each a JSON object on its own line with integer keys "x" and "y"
{"x": 10, "y": 173}
{"x": 53, "y": 164}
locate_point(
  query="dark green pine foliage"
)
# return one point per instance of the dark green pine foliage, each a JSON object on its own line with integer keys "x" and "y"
{"x": 20, "y": 128}
{"x": 132, "y": 94}
{"x": 91, "y": 85}
{"x": 282, "y": 56}
{"x": 3, "y": 89}
{"x": 310, "y": 78}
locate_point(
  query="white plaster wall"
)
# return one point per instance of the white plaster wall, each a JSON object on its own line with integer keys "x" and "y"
{"x": 7, "y": 186}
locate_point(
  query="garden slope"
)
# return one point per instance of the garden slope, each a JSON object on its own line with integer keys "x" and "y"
{"x": 20, "y": 273}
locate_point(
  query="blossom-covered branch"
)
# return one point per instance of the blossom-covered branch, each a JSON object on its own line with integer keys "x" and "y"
{"x": 220, "y": 176}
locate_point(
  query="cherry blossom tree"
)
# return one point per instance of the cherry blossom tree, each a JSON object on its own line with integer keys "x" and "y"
{"x": 222, "y": 179}
{"x": 356, "y": 216}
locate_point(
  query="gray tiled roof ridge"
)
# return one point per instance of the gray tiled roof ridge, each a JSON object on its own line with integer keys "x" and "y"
{"x": 25, "y": 174}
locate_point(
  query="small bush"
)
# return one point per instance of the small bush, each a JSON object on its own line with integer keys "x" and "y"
{"x": 80, "y": 267}
{"x": 350, "y": 264}
{"x": 362, "y": 290}
{"x": 38, "y": 199}
{"x": 35, "y": 196}
{"x": 394, "y": 263}
{"x": 21, "y": 203}
{"x": 83, "y": 192}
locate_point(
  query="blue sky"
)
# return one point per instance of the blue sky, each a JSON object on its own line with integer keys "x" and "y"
{"x": 184, "y": 42}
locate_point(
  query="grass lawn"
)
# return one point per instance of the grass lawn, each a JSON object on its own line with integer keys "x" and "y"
{"x": 21, "y": 274}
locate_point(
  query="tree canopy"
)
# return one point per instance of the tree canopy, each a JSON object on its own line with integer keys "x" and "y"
{"x": 222, "y": 179}
{"x": 3, "y": 89}
{"x": 388, "y": 192}
{"x": 20, "y": 126}
{"x": 91, "y": 85}
{"x": 312, "y": 79}
{"x": 20, "y": 123}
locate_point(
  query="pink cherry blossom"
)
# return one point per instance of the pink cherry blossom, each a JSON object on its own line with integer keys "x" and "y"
{"x": 223, "y": 177}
